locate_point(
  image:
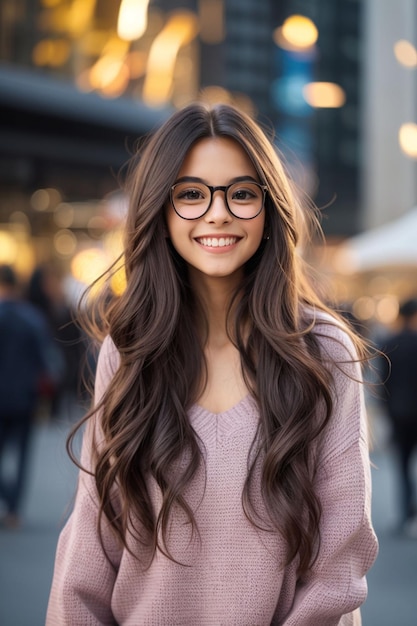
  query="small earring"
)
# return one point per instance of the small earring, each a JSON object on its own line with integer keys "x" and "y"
{"x": 266, "y": 236}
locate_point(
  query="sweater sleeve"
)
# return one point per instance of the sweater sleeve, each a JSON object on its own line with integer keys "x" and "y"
{"x": 336, "y": 585}
{"x": 84, "y": 572}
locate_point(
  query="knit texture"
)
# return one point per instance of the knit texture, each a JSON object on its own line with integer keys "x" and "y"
{"x": 233, "y": 573}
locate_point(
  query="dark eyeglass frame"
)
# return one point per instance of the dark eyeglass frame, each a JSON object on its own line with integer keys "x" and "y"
{"x": 225, "y": 189}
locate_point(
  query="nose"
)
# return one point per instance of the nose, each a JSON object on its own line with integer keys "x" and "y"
{"x": 218, "y": 212}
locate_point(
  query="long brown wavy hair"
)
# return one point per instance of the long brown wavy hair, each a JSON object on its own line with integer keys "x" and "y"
{"x": 156, "y": 327}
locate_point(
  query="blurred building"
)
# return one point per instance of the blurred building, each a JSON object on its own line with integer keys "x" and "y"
{"x": 81, "y": 81}
{"x": 389, "y": 128}
{"x": 320, "y": 105}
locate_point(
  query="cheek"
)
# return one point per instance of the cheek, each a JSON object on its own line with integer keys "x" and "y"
{"x": 177, "y": 230}
{"x": 258, "y": 230}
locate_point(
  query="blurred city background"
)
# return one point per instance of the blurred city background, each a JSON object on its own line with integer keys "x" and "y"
{"x": 83, "y": 81}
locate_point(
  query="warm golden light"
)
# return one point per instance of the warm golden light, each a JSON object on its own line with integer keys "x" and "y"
{"x": 110, "y": 74}
{"x": 324, "y": 95}
{"x": 116, "y": 87}
{"x": 297, "y": 32}
{"x": 179, "y": 31}
{"x": 45, "y": 199}
{"x": 344, "y": 261}
{"x": 64, "y": 215}
{"x": 65, "y": 242}
{"x": 387, "y": 309}
{"x": 405, "y": 53}
{"x": 80, "y": 16}
{"x": 53, "y": 52}
{"x": 118, "y": 282}
{"x": 42, "y": 52}
{"x": 88, "y": 265}
{"x": 407, "y": 137}
{"x": 40, "y": 200}
{"x": 8, "y": 248}
{"x": 364, "y": 308}
{"x": 133, "y": 19}
{"x": 380, "y": 284}
{"x": 113, "y": 243}
{"x": 21, "y": 220}
{"x": 96, "y": 225}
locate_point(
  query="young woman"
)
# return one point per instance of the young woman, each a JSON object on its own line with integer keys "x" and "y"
{"x": 225, "y": 471}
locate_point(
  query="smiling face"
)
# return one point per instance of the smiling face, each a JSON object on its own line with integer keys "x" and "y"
{"x": 217, "y": 244}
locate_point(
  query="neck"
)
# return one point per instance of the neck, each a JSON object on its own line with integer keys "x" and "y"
{"x": 215, "y": 295}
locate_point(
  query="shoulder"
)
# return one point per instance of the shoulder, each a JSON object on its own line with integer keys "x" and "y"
{"x": 107, "y": 364}
{"x": 108, "y": 358}
{"x": 333, "y": 336}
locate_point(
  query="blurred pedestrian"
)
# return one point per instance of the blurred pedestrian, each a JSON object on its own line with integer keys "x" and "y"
{"x": 400, "y": 382}
{"x": 45, "y": 292}
{"x": 23, "y": 346}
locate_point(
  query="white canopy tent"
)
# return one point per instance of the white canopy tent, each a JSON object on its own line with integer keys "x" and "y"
{"x": 392, "y": 245}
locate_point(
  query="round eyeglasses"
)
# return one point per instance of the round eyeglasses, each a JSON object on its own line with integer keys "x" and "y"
{"x": 244, "y": 199}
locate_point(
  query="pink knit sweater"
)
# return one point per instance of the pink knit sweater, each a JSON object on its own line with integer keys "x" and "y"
{"x": 233, "y": 573}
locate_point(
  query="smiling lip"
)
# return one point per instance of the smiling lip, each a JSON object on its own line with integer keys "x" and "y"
{"x": 217, "y": 242}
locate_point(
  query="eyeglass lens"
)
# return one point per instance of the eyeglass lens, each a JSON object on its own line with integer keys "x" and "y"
{"x": 192, "y": 200}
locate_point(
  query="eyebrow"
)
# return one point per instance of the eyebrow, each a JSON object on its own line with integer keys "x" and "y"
{"x": 195, "y": 179}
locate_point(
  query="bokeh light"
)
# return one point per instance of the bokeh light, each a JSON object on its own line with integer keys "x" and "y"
{"x": 405, "y": 53}
{"x": 407, "y": 137}
{"x": 324, "y": 95}
{"x": 297, "y": 33}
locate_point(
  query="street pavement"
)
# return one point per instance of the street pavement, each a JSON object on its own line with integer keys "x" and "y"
{"x": 27, "y": 554}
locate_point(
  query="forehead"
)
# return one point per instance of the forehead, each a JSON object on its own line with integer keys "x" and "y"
{"x": 219, "y": 158}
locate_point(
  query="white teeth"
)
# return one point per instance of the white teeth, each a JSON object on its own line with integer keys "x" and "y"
{"x": 214, "y": 242}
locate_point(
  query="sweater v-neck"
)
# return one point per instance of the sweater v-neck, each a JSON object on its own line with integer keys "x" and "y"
{"x": 215, "y": 428}
{"x": 199, "y": 410}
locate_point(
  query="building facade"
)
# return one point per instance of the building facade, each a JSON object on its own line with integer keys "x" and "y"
{"x": 76, "y": 95}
